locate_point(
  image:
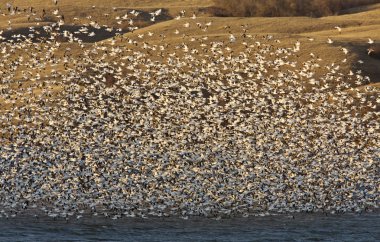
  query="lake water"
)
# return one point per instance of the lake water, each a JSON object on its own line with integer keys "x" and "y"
{"x": 303, "y": 227}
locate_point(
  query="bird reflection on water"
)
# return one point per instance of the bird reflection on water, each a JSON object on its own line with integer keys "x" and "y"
{"x": 363, "y": 227}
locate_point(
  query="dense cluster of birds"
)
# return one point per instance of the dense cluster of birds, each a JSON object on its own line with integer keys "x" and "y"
{"x": 215, "y": 127}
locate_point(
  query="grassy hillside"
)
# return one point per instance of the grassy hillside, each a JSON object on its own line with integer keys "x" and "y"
{"x": 98, "y": 8}
{"x": 357, "y": 28}
{"x": 311, "y": 32}
{"x": 110, "y": 3}
{"x": 278, "y": 8}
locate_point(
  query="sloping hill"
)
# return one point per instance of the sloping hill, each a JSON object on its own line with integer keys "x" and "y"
{"x": 356, "y": 31}
{"x": 313, "y": 33}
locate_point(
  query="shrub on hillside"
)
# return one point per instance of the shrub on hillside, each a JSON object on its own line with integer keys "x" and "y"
{"x": 280, "y": 8}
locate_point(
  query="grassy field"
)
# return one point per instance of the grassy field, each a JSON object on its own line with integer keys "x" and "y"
{"x": 278, "y": 8}
{"x": 356, "y": 27}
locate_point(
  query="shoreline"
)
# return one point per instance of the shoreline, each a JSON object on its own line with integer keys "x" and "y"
{"x": 304, "y": 227}
{"x": 38, "y": 214}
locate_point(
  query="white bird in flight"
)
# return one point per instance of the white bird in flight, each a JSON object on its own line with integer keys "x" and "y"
{"x": 232, "y": 38}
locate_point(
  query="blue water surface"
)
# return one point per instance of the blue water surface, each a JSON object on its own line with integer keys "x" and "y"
{"x": 301, "y": 227}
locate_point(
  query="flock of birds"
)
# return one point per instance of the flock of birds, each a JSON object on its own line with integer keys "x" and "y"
{"x": 129, "y": 127}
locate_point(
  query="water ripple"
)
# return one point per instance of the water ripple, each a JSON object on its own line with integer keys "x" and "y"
{"x": 304, "y": 227}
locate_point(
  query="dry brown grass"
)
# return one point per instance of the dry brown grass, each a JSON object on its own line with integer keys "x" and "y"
{"x": 84, "y": 7}
{"x": 357, "y": 28}
{"x": 281, "y": 8}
